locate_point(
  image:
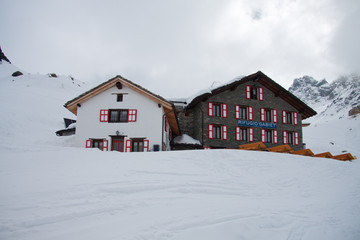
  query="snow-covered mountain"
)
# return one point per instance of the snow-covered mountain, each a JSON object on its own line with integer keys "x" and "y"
{"x": 331, "y": 100}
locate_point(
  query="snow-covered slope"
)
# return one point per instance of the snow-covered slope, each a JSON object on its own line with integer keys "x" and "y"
{"x": 86, "y": 194}
{"x": 52, "y": 191}
{"x": 31, "y": 106}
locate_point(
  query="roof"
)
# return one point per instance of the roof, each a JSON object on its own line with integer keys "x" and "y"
{"x": 267, "y": 82}
{"x": 168, "y": 106}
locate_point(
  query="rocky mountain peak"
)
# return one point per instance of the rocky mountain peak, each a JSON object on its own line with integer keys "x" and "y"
{"x": 333, "y": 99}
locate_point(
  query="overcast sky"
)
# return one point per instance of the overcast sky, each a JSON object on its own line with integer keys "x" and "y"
{"x": 176, "y": 48}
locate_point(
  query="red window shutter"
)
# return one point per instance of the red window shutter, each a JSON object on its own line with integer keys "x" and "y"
{"x": 237, "y": 134}
{"x": 105, "y": 145}
{"x": 248, "y": 92}
{"x": 285, "y": 139}
{"x": 261, "y": 93}
{"x": 296, "y": 138}
{"x": 295, "y": 116}
{"x": 166, "y": 124}
{"x": 237, "y": 111}
{"x": 251, "y": 134}
{"x": 275, "y": 136}
{"x": 211, "y": 131}
{"x": 224, "y": 133}
{"x": 250, "y": 113}
{"x": 274, "y": 116}
{"x": 224, "y": 110}
{"x": 88, "y": 144}
{"x": 128, "y": 146}
{"x": 132, "y": 115}
{"x": 104, "y": 115}
{"x": 263, "y": 139}
{"x": 284, "y": 117}
{"x": 146, "y": 145}
{"x": 211, "y": 109}
{"x": 262, "y": 114}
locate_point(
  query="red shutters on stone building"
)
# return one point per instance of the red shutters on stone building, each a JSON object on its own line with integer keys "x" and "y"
{"x": 262, "y": 114}
{"x": 274, "y": 115}
{"x": 284, "y": 119}
{"x": 261, "y": 93}
{"x": 295, "y": 117}
{"x": 250, "y": 113}
{"x": 296, "y": 138}
{"x": 251, "y": 134}
{"x": 211, "y": 131}
{"x": 210, "y": 109}
{"x": 224, "y": 132}
{"x": 248, "y": 92}
{"x": 263, "y": 136}
{"x": 285, "y": 139}
{"x": 224, "y": 110}
{"x": 275, "y": 136}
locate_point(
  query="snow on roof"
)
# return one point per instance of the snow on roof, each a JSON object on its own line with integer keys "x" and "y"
{"x": 185, "y": 101}
{"x": 186, "y": 139}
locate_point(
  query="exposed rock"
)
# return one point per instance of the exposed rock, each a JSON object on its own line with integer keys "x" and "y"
{"x": 3, "y": 57}
{"x": 16, "y": 74}
{"x": 354, "y": 111}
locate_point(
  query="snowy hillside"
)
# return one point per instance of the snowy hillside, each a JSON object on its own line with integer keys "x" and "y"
{"x": 50, "y": 190}
{"x": 32, "y": 106}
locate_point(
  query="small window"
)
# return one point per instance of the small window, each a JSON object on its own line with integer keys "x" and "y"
{"x": 137, "y": 145}
{"x": 217, "y": 110}
{"x": 118, "y": 115}
{"x": 289, "y": 118}
{"x": 268, "y": 117}
{"x": 97, "y": 143}
{"x": 290, "y": 138}
{"x": 243, "y": 113}
{"x": 217, "y": 132}
{"x": 119, "y": 97}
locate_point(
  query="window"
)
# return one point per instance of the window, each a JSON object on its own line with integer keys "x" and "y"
{"x": 137, "y": 145}
{"x": 291, "y": 138}
{"x": 217, "y": 110}
{"x": 243, "y": 113}
{"x": 269, "y": 136}
{"x": 101, "y": 144}
{"x": 253, "y": 92}
{"x": 290, "y": 117}
{"x": 118, "y": 115}
{"x": 218, "y": 132}
{"x": 268, "y": 115}
{"x": 119, "y": 97}
{"x": 97, "y": 143}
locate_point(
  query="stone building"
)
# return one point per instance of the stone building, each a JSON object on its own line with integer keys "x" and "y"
{"x": 251, "y": 109}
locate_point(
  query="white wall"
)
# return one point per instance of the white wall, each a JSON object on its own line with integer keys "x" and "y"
{"x": 148, "y": 124}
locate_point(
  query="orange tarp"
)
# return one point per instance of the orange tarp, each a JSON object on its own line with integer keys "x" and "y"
{"x": 344, "y": 157}
{"x": 304, "y": 152}
{"x": 324, "y": 155}
{"x": 253, "y": 146}
{"x": 282, "y": 149}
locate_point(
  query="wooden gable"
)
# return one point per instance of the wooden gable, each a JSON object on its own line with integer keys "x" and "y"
{"x": 119, "y": 80}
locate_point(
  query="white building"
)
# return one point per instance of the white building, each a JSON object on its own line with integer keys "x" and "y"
{"x": 122, "y": 116}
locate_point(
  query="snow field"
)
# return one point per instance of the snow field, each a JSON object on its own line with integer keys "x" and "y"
{"x": 69, "y": 193}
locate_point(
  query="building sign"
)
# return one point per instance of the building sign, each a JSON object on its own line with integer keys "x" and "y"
{"x": 256, "y": 124}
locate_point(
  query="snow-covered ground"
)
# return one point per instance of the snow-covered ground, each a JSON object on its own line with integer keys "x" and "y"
{"x": 50, "y": 190}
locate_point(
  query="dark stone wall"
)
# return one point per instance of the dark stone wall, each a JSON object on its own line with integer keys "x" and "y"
{"x": 197, "y": 121}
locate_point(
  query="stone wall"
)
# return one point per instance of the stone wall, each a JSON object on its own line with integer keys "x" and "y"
{"x": 196, "y": 121}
